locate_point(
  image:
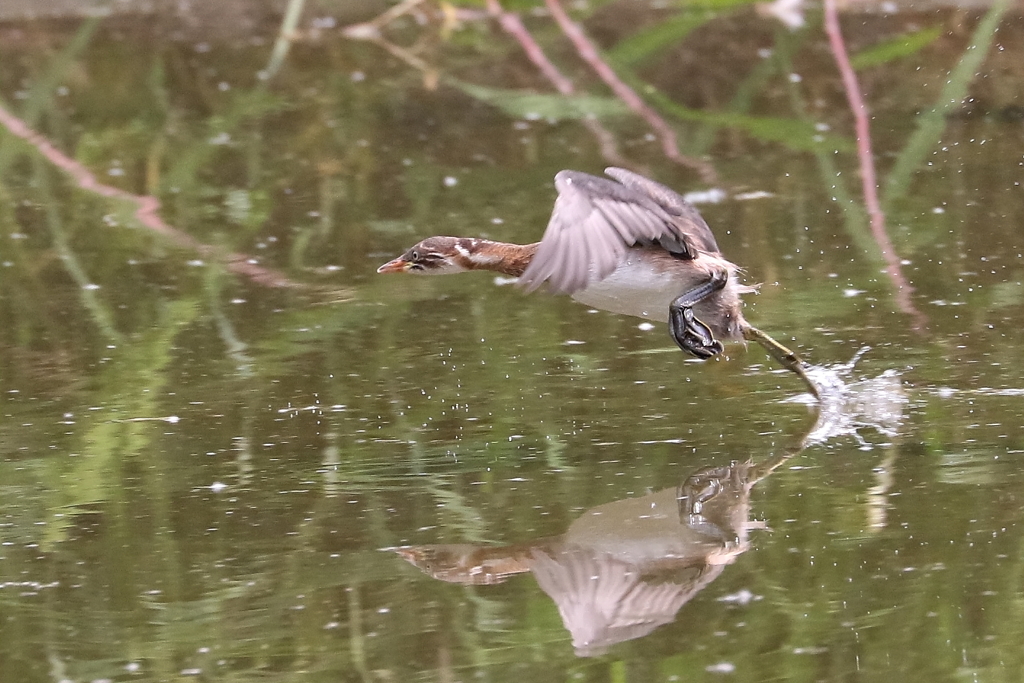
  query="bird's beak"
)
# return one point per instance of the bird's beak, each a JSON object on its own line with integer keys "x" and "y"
{"x": 397, "y": 265}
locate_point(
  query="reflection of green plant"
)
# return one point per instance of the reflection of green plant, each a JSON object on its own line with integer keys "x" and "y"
{"x": 931, "y": 124}
{"x": 132, "y": 385}
{"x": 553, "y": 107}
{"x": 40, "y": 95}
{"x": 662, "y": 35}
{"x": 793, "y": 133}
{"x": 896, "y": 48}
{"x": 445, "y": 410}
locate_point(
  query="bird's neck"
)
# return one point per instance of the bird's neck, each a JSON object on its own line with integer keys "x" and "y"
{"x": 500, "y": 257}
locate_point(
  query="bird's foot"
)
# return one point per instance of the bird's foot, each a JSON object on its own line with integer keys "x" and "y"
{"x": 701, "y": 487}
{"x": 692, "y": 335}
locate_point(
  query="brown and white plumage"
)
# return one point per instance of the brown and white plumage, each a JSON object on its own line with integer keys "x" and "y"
{"x": 627, "y": 245}
{"x": 632, "y": 247}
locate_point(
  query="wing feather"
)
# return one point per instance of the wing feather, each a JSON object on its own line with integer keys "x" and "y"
{"x": 595, "y": 220}
{"x": 691, "y": 223}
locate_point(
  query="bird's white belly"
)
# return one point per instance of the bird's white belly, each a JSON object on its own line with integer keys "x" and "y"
{"x": 634, "y": 288}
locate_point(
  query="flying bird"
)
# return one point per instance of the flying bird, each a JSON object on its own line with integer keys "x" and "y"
{"x": 627, "y": 245}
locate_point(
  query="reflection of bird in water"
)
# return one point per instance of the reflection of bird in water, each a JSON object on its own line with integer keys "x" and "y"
{"x": 626, "y": 567}
{"x": 628, "y": 245}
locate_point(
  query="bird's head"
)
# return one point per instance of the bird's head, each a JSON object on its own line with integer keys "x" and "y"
{"x": 434, "y": 255}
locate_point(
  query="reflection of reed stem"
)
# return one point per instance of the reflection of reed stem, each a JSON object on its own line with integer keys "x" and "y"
{"x": 395, "y": 12}
{"x": 356, "y": 638}
{"x": 284, "y": 39}
{"x": 513, "y": 26}
{"x": 589, "y": 54}
{"x": 867, "y": 167}
{"x": 859, "y": 110}
{"x": 878, "y": 502}
{"x": 86, "y": 289}
{"x": 234, "y": 347}
{"x": 147, "y": 206}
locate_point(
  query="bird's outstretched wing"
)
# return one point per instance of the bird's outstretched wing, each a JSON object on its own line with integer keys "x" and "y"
{"x": 687, "y": 218}
{"x": 595, "y": 220}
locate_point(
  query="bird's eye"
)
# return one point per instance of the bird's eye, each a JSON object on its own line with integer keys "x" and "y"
{"x": 414, "y": 255}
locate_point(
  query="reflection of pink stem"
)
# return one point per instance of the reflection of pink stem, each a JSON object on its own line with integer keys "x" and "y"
{"x": 590, "y": 55}
{"x": 512, "y": 25}
{"x": 148, "y": 206}
{"x": 867, "y": 166}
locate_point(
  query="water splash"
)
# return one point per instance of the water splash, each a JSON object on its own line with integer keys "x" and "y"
{"x": 847, "y": 405}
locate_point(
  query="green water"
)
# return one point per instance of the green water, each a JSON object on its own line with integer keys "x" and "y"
{"x": 205, "y": 468}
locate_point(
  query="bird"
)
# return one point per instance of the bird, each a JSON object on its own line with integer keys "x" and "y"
{"x": 625, "y": 244}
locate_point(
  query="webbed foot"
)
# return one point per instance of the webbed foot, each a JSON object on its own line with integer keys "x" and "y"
{"x": 692, "y": 335}
{"x": 689, "y": 332}
{"x": 700, "y": 487}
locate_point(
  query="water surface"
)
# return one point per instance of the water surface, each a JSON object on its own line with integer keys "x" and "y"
{"x": 219, "y": 424}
